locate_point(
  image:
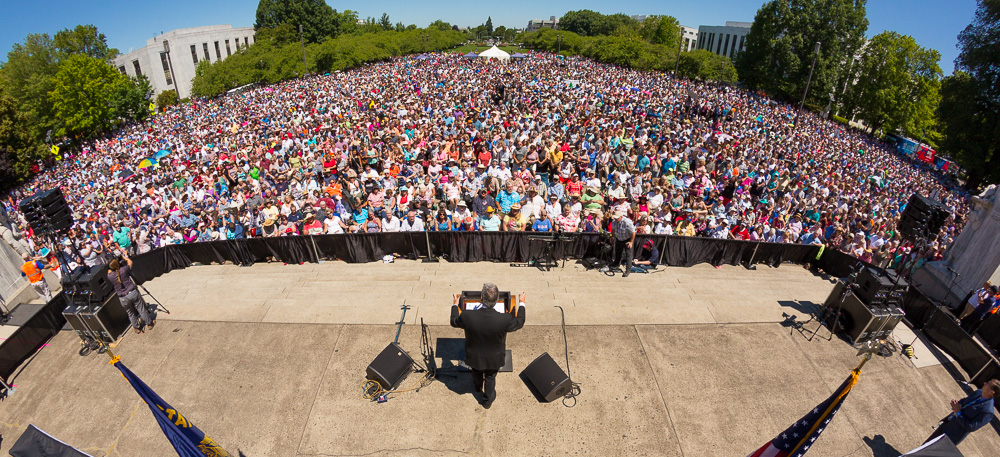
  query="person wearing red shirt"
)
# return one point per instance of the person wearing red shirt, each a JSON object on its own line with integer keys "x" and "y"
{"x": 485, "y": 158}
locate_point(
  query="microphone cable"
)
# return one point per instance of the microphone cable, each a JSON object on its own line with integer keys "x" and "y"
{"x": 574, "y": 390}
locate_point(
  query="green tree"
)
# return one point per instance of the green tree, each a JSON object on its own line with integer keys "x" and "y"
{"x": 84, "y": 40}
{"x": 780, "y": 46}
{"x": 895, "y": 84}
{"x": 130, "y": 99}
{"x": 489, "y": 25}
{"x": 19, "y": 148}
{"x": 663, "y": 30}
{"x": 969, "y": 112}
{"x": 82, "y": 98}
{"x": 705, "y": 64}
{"x": 440, "y": 25}
{"x": 384, "y": 22}
{"x": 318, "y": 20}
{"x": 166, "y": 98}
{"x": 27, "y": 76}
{"x": 592, "y": 23}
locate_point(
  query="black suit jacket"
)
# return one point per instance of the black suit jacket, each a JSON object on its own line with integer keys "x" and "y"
{"x": 486, "y": 335}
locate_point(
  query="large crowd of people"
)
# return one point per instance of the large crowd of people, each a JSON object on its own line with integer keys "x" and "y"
{"x": 446, "y": 143}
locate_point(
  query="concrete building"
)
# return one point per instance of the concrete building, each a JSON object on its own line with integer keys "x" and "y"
{"x": 536, "y": 24}
{"x": 725, "y": 40}
{"x": 689, "y": 38}
{"x": 187, "y": 47}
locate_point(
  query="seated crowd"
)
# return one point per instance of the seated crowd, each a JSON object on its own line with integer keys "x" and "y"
{"x": 444, "y": 144}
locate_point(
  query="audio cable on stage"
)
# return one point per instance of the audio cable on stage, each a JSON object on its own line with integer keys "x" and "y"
{"x": 574, "y": 391}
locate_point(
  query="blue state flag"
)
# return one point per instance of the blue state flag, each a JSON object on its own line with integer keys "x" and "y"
{"x": 187, "y": 439}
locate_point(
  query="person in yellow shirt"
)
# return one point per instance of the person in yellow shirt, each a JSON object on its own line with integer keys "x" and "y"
{"x": 514, "y": 221}
{"x": 685, "y": 228}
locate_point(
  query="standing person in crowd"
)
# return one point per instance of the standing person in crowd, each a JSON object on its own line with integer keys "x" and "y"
{"x": 623, "y": 234}
{"x": 977, "y": 298}
{"x": 986, "y": 308}
{"x": 32, "y": 269}
{"x": 121, "y": 278}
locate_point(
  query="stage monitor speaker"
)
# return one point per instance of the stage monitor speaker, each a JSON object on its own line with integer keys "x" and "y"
{"x": 856, "y": 320}
{"x": 546, "y": 378}
{"x": 109, "y": 320}
{"x": 88, "y": 285}
{"x": 873, "y": 287}
{"x": 390, "y": 367}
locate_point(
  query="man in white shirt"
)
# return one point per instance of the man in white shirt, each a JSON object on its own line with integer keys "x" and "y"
{"x": 461, "y": 211}
{"x": 391, "y": 223}
{"x": 411, "y": 223}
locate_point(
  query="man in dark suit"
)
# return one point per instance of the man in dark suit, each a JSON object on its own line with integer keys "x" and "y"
{"x": 486, "y": 339}
{"x": 969, "y": 414}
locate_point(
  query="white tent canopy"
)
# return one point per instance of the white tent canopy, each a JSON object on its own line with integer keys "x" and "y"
{"x": 494, "y": 53}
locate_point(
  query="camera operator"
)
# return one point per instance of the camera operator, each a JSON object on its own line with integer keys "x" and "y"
{"x": 486, "y": 332}
{"x": 121, "y": 278}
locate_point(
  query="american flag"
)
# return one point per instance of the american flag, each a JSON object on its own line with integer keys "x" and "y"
{"x": 797, "y": 439}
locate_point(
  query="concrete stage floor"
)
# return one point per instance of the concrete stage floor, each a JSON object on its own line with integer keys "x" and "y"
{"x": 690, "y": 362}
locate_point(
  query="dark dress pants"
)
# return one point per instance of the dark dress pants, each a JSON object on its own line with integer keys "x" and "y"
{"x": 622, "y": 253}
{"x": 485, "y": 381}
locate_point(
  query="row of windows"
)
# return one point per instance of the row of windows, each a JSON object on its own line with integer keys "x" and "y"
{"x": 722, "y": 46}
{"x": 194, "y": 57}
{"x": 218, "y": 53}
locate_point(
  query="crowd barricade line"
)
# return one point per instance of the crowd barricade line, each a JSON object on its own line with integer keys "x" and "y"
{"x": 510, "y": 247}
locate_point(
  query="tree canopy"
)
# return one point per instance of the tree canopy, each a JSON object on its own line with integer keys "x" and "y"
{"x": 318, "y": 20}
{"x": 85, "y": 96}
{"x": 273, "y": 57}
{"x": 46, "y": 77}
{"x": 780, "y": 47}
{"x": 19, "y": 149}
{"x": 895, "y": 85}
{"x": 592, "y": 23}
{"x": 970, "y": 99}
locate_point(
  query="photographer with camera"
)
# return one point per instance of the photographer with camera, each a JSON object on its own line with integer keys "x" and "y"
{"x": 121, "y": 278}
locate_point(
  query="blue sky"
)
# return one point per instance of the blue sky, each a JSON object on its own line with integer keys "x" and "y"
{"x": 128, "y": 24}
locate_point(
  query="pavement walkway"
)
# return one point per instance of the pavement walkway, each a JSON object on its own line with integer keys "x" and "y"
{"x": 268, "y": 360}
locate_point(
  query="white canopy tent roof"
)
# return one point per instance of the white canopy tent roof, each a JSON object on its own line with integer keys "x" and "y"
{"x": 494, "y": 53}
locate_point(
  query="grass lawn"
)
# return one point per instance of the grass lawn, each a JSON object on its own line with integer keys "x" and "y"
{"x": 465, "y": 49}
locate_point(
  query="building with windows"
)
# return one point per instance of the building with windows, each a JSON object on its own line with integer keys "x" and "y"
{"x": 536, "y": 24}
{"x": 184, "y": 49}
{"x": 725, "y": 40}
{"x": 689, "y": 38}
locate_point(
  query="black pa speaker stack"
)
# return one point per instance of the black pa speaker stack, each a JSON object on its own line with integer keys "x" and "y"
{"x": 47, "y": 212}
{"x": 871, "y": 309}
{"x": 922, "y": 218}
{"x": 106, "y": 321}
